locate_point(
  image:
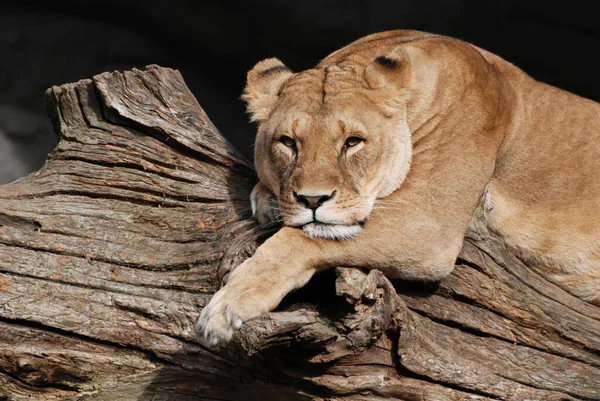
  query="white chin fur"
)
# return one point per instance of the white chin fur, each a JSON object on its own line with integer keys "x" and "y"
{"x": 331, "y": 231}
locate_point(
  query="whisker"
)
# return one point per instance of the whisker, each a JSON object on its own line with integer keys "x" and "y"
{"x": 270, "y": 223}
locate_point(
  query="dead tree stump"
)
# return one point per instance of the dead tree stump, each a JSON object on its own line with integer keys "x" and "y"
{"x": 109, "y": 252}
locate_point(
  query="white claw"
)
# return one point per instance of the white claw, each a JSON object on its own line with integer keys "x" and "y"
{"x": 233, "y": 320}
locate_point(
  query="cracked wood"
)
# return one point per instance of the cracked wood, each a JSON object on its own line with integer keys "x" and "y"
{"x": 109, "y": 252}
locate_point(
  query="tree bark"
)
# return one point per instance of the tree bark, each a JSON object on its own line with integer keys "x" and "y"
{"x": 109, "y": 252}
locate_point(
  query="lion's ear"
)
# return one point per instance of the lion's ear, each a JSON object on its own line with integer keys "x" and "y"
{"x": 392, "y": 69}
{"x": 263, "y": 84}
{"x": 389, "y": 77}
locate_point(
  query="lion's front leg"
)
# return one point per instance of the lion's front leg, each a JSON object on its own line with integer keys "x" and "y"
{"x": 255, "y": 287}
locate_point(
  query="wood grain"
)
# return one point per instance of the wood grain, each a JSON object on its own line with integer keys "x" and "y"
{"x": 109, "y": 252}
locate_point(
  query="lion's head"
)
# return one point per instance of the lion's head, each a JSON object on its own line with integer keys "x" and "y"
{"x": 331, "y": 140}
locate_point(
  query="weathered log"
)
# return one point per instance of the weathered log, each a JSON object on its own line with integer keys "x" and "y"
{"x": 109, "y": 252}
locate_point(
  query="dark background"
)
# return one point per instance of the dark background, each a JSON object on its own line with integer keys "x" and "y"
{"x": 214, "y": 43}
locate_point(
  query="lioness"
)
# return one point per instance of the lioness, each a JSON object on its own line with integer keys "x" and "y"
{"x": 379, "y": 156}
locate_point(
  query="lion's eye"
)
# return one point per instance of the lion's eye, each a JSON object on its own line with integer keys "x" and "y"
{"x": 287, "y": 141}
{"x": 352, "y": 141}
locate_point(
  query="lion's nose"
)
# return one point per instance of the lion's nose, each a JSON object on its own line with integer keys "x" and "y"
{"x": 313, "y": 202}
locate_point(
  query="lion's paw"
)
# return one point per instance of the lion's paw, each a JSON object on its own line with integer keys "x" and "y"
{"x": 226, "y": 312}
{"x": 265, "y": 207}
{"x": 212, "y": 325}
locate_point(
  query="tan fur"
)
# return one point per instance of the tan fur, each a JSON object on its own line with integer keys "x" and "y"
{"x": 445, "y": 124}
